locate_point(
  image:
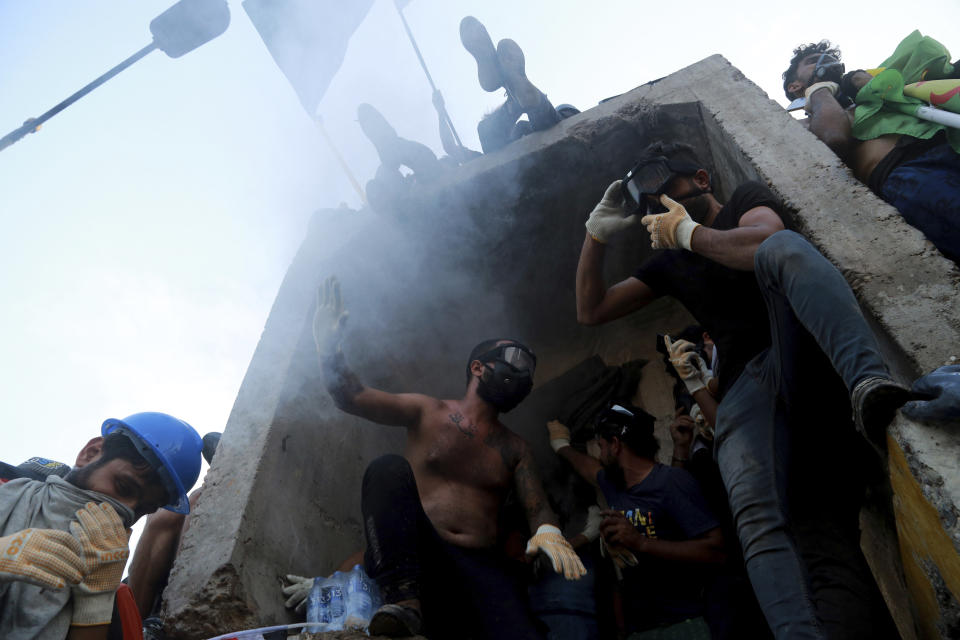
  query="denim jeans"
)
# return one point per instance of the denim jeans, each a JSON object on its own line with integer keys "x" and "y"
{"x": 787, "y": 449}
{"x": 925, "y": 192}
{"x": 463, "y": 593}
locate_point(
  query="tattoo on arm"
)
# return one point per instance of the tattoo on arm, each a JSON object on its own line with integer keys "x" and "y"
{"x": 342, "y": 383}
{"x": 531, "y": 493}
{"x": 465, "y": 426}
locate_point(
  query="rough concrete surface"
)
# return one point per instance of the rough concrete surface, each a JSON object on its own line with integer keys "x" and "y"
{"x": 492, "y": 251}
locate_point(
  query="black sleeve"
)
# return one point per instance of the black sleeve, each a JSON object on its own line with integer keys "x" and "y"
{"x": 750, "y": 195}
{"x": 653, "y": 273}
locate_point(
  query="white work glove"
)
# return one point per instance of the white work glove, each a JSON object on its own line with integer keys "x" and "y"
{"x": 671, "y": 230}
{"x": 607, "y": 218}
{"x": 551, "y": 542}
{"x": 105, "y": 544}
{"x": 703, "y": 429}
{"x": 559, "y": 435}
{"x": 592, "y": 529}
{"x": 329, "y": 319}
{"x": 298, "y": 591}
{"x": 621, "y": 557}
{"x": 688, "y": 364}
{"x": 832, "y": 87}
{"x": 44, "y": 557}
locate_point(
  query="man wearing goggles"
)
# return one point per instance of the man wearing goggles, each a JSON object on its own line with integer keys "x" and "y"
{"x": 785, "y": 324}
{"x": 431, "y": 516}
{"x": 911, "y": 166}
{"x": 648, "y": 180}
{"x": 657, "y": 526}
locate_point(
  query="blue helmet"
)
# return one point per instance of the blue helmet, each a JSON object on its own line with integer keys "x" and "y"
{"x": 170, "y": 445}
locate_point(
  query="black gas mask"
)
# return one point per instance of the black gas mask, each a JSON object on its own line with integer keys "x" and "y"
{"x": 650, "y": 177}
{"x": 508, "y": 375}
{"x": 827, "y": 69}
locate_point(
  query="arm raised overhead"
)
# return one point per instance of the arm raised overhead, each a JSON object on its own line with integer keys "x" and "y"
{"x": 343, "y": 385}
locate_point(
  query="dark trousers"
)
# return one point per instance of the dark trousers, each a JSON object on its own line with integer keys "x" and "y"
{"x": 464, "y": 593}
{"x": 925, "y": 192}
{"x": 789, "y": 455}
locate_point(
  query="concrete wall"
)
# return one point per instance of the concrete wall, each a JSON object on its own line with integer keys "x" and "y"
{"x": 492, "y": 251}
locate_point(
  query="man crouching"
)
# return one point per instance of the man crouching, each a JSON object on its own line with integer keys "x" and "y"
{"x": 431, "y": 516}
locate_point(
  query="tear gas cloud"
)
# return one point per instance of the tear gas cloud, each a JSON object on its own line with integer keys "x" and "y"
{"x": 170, "y": 201}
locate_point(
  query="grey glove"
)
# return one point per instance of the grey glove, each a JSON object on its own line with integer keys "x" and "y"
{"x": 608, "y": 218}
{"x": 943, "y": 387}
{"x": 329, "y": 318}
{"x": 298, "y": 591}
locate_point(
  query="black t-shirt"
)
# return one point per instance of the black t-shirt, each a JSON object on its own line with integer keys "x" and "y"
{"x": 666, "y": 505}
{"x": 727, "y": 303}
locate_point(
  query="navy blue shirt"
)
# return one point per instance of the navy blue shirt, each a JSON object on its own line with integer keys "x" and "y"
{"x": 666, "y": 505}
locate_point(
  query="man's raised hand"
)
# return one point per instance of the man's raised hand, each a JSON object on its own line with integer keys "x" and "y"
{"x": 671, "y": 230}
{"x": 607, "y": 218}
{"x": 329, "y": 318}
{"x": 688, "y": 364}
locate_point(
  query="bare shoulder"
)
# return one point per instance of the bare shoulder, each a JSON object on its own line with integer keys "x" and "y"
{"x": 434, "y": 409}
{"x": 512, "y": 448}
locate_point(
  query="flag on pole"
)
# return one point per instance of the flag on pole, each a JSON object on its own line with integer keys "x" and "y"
{"x": 885, "y": 106}
{"x": 308, "y": 39}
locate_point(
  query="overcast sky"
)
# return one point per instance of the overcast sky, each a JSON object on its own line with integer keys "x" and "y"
{"x": 146, "y": 229}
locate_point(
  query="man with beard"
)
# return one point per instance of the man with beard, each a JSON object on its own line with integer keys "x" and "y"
{"x": 657, "y": 513}
{"x": 796, "y": 359}
{"x": 918, "y": 174}
{"x": 431, "y": 516}
{"x": 64, "y": 542}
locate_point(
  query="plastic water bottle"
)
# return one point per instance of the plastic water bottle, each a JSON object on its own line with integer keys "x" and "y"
{"x": 359, "y": 599}
{"x": 325, "y": 604}
{"x": 316, "y": 609}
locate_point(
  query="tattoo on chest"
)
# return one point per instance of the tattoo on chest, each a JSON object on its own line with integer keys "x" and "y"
{"x": 466, "y": 427}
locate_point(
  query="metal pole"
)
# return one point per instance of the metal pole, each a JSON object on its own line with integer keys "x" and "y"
{"x": 416, "y": 49}
{"x": 343, "y": 163}
{"x": 32, "y": 124}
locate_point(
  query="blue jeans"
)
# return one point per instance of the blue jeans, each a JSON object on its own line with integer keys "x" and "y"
{"x": 785, "y": 447}
{"x": 926, "y": 192}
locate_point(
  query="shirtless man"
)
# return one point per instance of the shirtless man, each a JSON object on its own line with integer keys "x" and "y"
{"x": 918, "y": 177}
{"x": 431, "y": 516}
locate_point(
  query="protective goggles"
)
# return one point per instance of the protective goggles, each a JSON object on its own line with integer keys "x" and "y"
{"x": 615, "y": 421}
{"x": 649, "y": 177}
{"x": 517, "y": 356}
